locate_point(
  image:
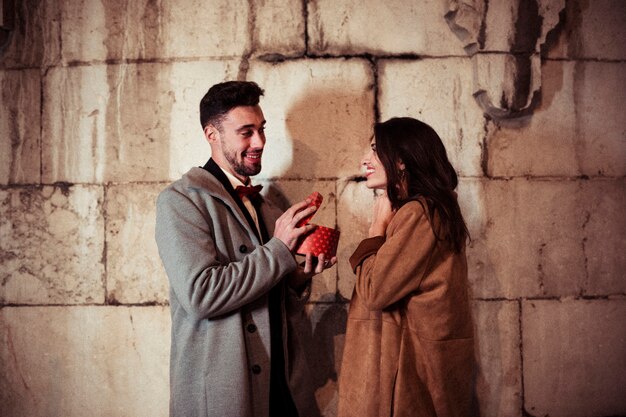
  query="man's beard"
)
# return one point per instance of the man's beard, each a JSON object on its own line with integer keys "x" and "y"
{"x": 241, "y": 168}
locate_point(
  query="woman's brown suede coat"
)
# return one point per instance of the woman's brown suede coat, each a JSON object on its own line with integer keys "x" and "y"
{"x": 409, "y": 339}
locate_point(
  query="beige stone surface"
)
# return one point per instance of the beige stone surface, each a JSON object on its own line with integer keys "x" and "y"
{"x": 110, "y": 135}
{"x": 135, "y": 273}
{"x": 604, "y": 231}
{"x": 20, "y": 120}
{"x": 531, "y": 239}
{"x": 318, "y": 122}
{"x": 52, "y": 245}
{"x": 77, "y": 361}
{"x": 114, "y": 30}
{"x": 354, "y": 208}
{"x": 499, "y": 378}
{"x": 279, "y": 28}
{"x": 348, "y": 27}
{"x": 437, "y": 92}
{"x": 132, "y": 122}
{"x": 285, "y": 193}
{"x": 591, "y": 29}
{"x": 578, "y": 128}
{"x": 574, "y": 357}
{"x": 482, "y": 267}
{"x": 93, "y": 31}
{"x": 545, "y": 237}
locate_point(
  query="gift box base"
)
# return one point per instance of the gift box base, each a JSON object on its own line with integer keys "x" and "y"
{"x": 321, "y": 240}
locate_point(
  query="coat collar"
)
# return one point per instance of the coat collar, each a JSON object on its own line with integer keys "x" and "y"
{"x": 208, "y": 181}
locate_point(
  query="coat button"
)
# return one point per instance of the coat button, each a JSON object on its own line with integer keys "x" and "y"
{"x": 256, "y": 369}
{"x": 251, "y": 327}
{"x": 243, "y": 249}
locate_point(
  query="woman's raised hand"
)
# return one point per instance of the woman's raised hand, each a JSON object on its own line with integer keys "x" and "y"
{"x": 381, "y": 215}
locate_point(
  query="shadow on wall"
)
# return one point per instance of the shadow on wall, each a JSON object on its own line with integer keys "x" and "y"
{"x": 302, "y": 126}
{"x": 329, "y": 321}
{"x": 319, "y": 127}
{"x": 327, "y": 142}
{"x": 322, "y": 130}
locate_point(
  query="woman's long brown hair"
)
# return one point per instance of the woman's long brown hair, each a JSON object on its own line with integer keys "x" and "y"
{"x": 428, "y": 174}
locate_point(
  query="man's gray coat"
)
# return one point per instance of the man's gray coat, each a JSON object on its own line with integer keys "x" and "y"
{"x": 220, "y": 276}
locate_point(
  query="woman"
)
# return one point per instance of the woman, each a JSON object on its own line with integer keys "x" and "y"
{"x": 409, "y": 340}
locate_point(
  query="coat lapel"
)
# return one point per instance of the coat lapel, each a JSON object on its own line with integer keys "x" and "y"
{"x": 206, "y": 181}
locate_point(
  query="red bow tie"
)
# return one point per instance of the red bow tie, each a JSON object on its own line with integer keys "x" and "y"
{"x": 249, "y": 192}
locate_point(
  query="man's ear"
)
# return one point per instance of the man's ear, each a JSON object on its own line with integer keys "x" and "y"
{"x": 211, "y": 133}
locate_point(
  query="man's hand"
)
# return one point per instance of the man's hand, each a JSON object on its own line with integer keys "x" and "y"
{"x": 311, "y": 267}
{"x": 286, "y": 225}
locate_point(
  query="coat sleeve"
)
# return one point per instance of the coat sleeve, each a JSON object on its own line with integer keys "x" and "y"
{"x": 398, "y": 267}
{"x": 204, "y": 286}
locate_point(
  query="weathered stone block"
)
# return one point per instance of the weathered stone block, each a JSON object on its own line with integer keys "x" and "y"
{"x": 591, "y": 30}
{"x": 284, "y": 193}
{"x": 34, "y": 37}
{"x": 278, "y": 28}
{"x": 437, "y": 92}
{"x": 481, "y": 266}
{"x": 109, "y": 136}
{"x": 577, "y": 129}
{"x": 544, "y": 237}
{"x": 328, "y": 328}
{"x": 499, "y": 377}
{"x": 135, "y": 273}
{"x": 604, "y": 236}
{"x": 128, "y": 123}
{"x": 143, "y": 29}
{"x": 20, "y": 122}
{"x": 349, "y": 27}
{"x": 319, "y": 115}
{"x": 504, "y": 26}
{"x": 531, "y": 240}
{"x": 354, "y": 208}
{"x": 52, "y": 245}
{"x": 77, "y": 361}
{"x": 574, "y": 357}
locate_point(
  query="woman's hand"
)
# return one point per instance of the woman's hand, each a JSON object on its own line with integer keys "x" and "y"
{"x": 285, "y": 226}
{"x": 381, "y": 216}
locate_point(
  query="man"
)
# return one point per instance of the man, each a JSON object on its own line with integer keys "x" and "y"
{"x": 235, "y": 287}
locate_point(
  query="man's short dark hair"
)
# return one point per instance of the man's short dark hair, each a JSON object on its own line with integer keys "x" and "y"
{"x": 223, "y": 97}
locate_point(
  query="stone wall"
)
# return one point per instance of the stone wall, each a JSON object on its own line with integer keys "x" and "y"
{"x": 99, "y": 113}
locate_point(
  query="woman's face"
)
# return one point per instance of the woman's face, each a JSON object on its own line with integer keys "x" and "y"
{"x": 374, "y": 171}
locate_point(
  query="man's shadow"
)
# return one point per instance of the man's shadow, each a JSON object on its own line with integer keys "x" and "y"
{"x": 314, "y": 125}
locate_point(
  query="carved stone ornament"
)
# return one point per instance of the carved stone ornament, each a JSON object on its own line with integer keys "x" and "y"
{"x": 504, "y": 39}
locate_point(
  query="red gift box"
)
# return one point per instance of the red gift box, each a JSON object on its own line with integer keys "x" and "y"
{"x": 321, "y": 239}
